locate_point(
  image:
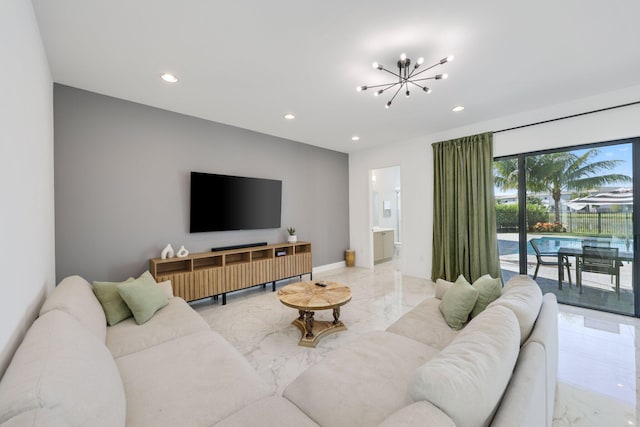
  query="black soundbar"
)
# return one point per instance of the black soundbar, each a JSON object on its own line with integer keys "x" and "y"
{"x": 248, "y": 245}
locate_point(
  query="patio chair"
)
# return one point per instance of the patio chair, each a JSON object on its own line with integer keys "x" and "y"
{"x": 563, "y": 262}
{"x": 598, "y": 259}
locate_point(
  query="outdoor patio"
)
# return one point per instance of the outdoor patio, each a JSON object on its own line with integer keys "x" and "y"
{"x": 598, "y": 291}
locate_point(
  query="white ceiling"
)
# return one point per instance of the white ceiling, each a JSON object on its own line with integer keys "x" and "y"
{"x": 248, "y": 62}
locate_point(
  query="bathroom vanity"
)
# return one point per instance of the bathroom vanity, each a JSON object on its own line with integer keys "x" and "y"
{"x": 383, "y": 244}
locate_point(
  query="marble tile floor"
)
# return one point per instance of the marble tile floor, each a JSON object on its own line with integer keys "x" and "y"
{"x": 598, "y": 352}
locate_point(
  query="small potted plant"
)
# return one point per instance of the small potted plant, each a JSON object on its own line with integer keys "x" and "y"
{"x": 292, "y": 235}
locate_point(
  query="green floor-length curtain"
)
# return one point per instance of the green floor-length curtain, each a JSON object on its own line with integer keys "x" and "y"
{"x": 464, "y": 214}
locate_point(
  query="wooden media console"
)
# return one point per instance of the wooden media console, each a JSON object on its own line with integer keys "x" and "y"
{"x": 209, "y": 274}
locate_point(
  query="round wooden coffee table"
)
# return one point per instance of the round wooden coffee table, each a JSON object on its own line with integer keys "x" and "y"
{"x": 307, "y": 297}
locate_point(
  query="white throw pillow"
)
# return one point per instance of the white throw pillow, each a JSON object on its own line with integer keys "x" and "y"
{"x": 442, "y": 286}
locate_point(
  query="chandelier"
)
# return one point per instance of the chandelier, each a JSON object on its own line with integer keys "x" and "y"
{"x": 407, "y": 76}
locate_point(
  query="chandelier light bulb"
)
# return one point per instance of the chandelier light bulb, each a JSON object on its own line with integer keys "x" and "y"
{"x": 388, "y": 105}
{"x": 378, "y": 92}
{"x": 403, "y": 56}
{"x": 375, "y": 65}
{"x": 420, "y": 61}
{"x": 426, "y": 89}
{"x": 361, "y": 88}
{"x": 450, "y": 58}
{"x": 407, "y": 93}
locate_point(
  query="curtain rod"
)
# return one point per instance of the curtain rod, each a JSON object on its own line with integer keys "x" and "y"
{"x": 567, "y": 117}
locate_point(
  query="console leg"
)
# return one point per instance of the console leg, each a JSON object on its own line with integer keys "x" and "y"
{"x": 224, "y": 299}
{"x": 215, "y": 297}
{"x": 264, "y": 285}
{"x": 310, "y": 276}
{"x": 300, "y": 314}
{"x": 273, "y": 286}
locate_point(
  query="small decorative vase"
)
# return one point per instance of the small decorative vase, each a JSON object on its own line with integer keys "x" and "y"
{"x": 292, "y": 239}
{"x": 182, "y": 252}
{"x": 167, "y": 252}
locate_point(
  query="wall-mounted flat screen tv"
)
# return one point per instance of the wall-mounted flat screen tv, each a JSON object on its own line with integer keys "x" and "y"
{"x": 224, "y": 202}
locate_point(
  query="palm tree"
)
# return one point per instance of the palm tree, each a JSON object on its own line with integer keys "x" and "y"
{"x": 558, "y": 172}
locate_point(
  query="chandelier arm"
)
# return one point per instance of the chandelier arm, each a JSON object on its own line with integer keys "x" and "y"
{"x": 385, "y": 84}
{"x": 426, "y": 69}
{"x": 396, "y": 94}
{"x": 420, "y": 80}
{"x": 416, "y": 84}
{"x": 391, "y": 72}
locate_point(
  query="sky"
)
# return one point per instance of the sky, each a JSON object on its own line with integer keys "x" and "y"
{"x": 622, "y": 152}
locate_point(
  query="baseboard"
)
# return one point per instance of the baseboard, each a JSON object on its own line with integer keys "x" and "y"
{"x": 327, "y": 267}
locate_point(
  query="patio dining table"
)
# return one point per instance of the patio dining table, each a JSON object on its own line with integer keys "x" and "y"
{"x": 578, "y": 253}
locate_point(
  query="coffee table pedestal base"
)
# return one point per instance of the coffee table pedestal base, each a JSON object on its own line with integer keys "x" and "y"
{"x": 320, "y": 329}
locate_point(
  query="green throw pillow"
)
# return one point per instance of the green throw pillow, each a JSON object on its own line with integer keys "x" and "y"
{"x": 458, "y": 302}
{"x": 489, "y": 290}
{"x": 143, "y": 296}
{"x": 115, "y": 309}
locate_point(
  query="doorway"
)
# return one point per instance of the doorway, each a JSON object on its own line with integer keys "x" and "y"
{"x": 386, "y": 214}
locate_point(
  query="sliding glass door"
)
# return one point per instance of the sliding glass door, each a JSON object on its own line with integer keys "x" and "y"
{"x": 566, "y": 217}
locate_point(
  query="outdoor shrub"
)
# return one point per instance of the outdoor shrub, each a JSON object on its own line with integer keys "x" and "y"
{"x": 555, "y": 227}
{"x": 507, "y": 216}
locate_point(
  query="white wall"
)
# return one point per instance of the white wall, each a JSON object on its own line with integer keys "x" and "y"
{"x": 416, "y": 161}
{"x": 26, "y": 174}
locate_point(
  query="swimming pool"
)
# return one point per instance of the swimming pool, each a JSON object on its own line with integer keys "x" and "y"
{"x": 550, "y": 244}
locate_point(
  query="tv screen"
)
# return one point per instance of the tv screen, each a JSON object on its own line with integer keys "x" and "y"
{"x": 223, "y": 202}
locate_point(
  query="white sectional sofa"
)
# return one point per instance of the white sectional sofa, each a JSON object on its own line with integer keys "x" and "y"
{"x": 73, "y": 370}
{"x": 499, "y": 370}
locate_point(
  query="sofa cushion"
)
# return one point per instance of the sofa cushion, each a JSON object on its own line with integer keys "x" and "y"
{"x": 425, "y": 323}
{"x": 74, "y": 296}
{"x": 61, "y": 366}
{"x": 489, "y": 289}
{"x": 143, "y": 297}
{"x": 457, "y": 303}
{"x": 372, "y": 372}
{"x": 175, "y": 320}
{"x": 114, "y": 307}
{"x": 273, "y": 411}
{"x": 522, "y": 295}
{"x": 198, "y": 379}
{"x": 417, "y": 414}
{"x": 442, "y": 286}
{"x": 467, "y": 379}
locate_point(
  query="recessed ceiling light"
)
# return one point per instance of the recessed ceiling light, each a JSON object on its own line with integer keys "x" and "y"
{"x": 355, "y": 138}
{"x": 289, "y": 116}
{"x": 169, "y": 78}
{"x": 457, "y": 108}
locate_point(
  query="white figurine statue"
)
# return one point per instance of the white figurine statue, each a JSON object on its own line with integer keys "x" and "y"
{"x": 182, "y": 252}
{"x": 167, "y": 252}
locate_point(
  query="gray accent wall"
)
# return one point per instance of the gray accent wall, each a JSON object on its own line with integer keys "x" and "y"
{"x": 122, "y": 182}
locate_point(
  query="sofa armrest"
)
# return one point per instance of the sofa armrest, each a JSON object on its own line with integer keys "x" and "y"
{"x": 524, "y": 401}
{"x": 418, "y": 414}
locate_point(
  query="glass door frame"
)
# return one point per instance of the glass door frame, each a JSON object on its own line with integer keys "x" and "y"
{"x": 522, "y": 209}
